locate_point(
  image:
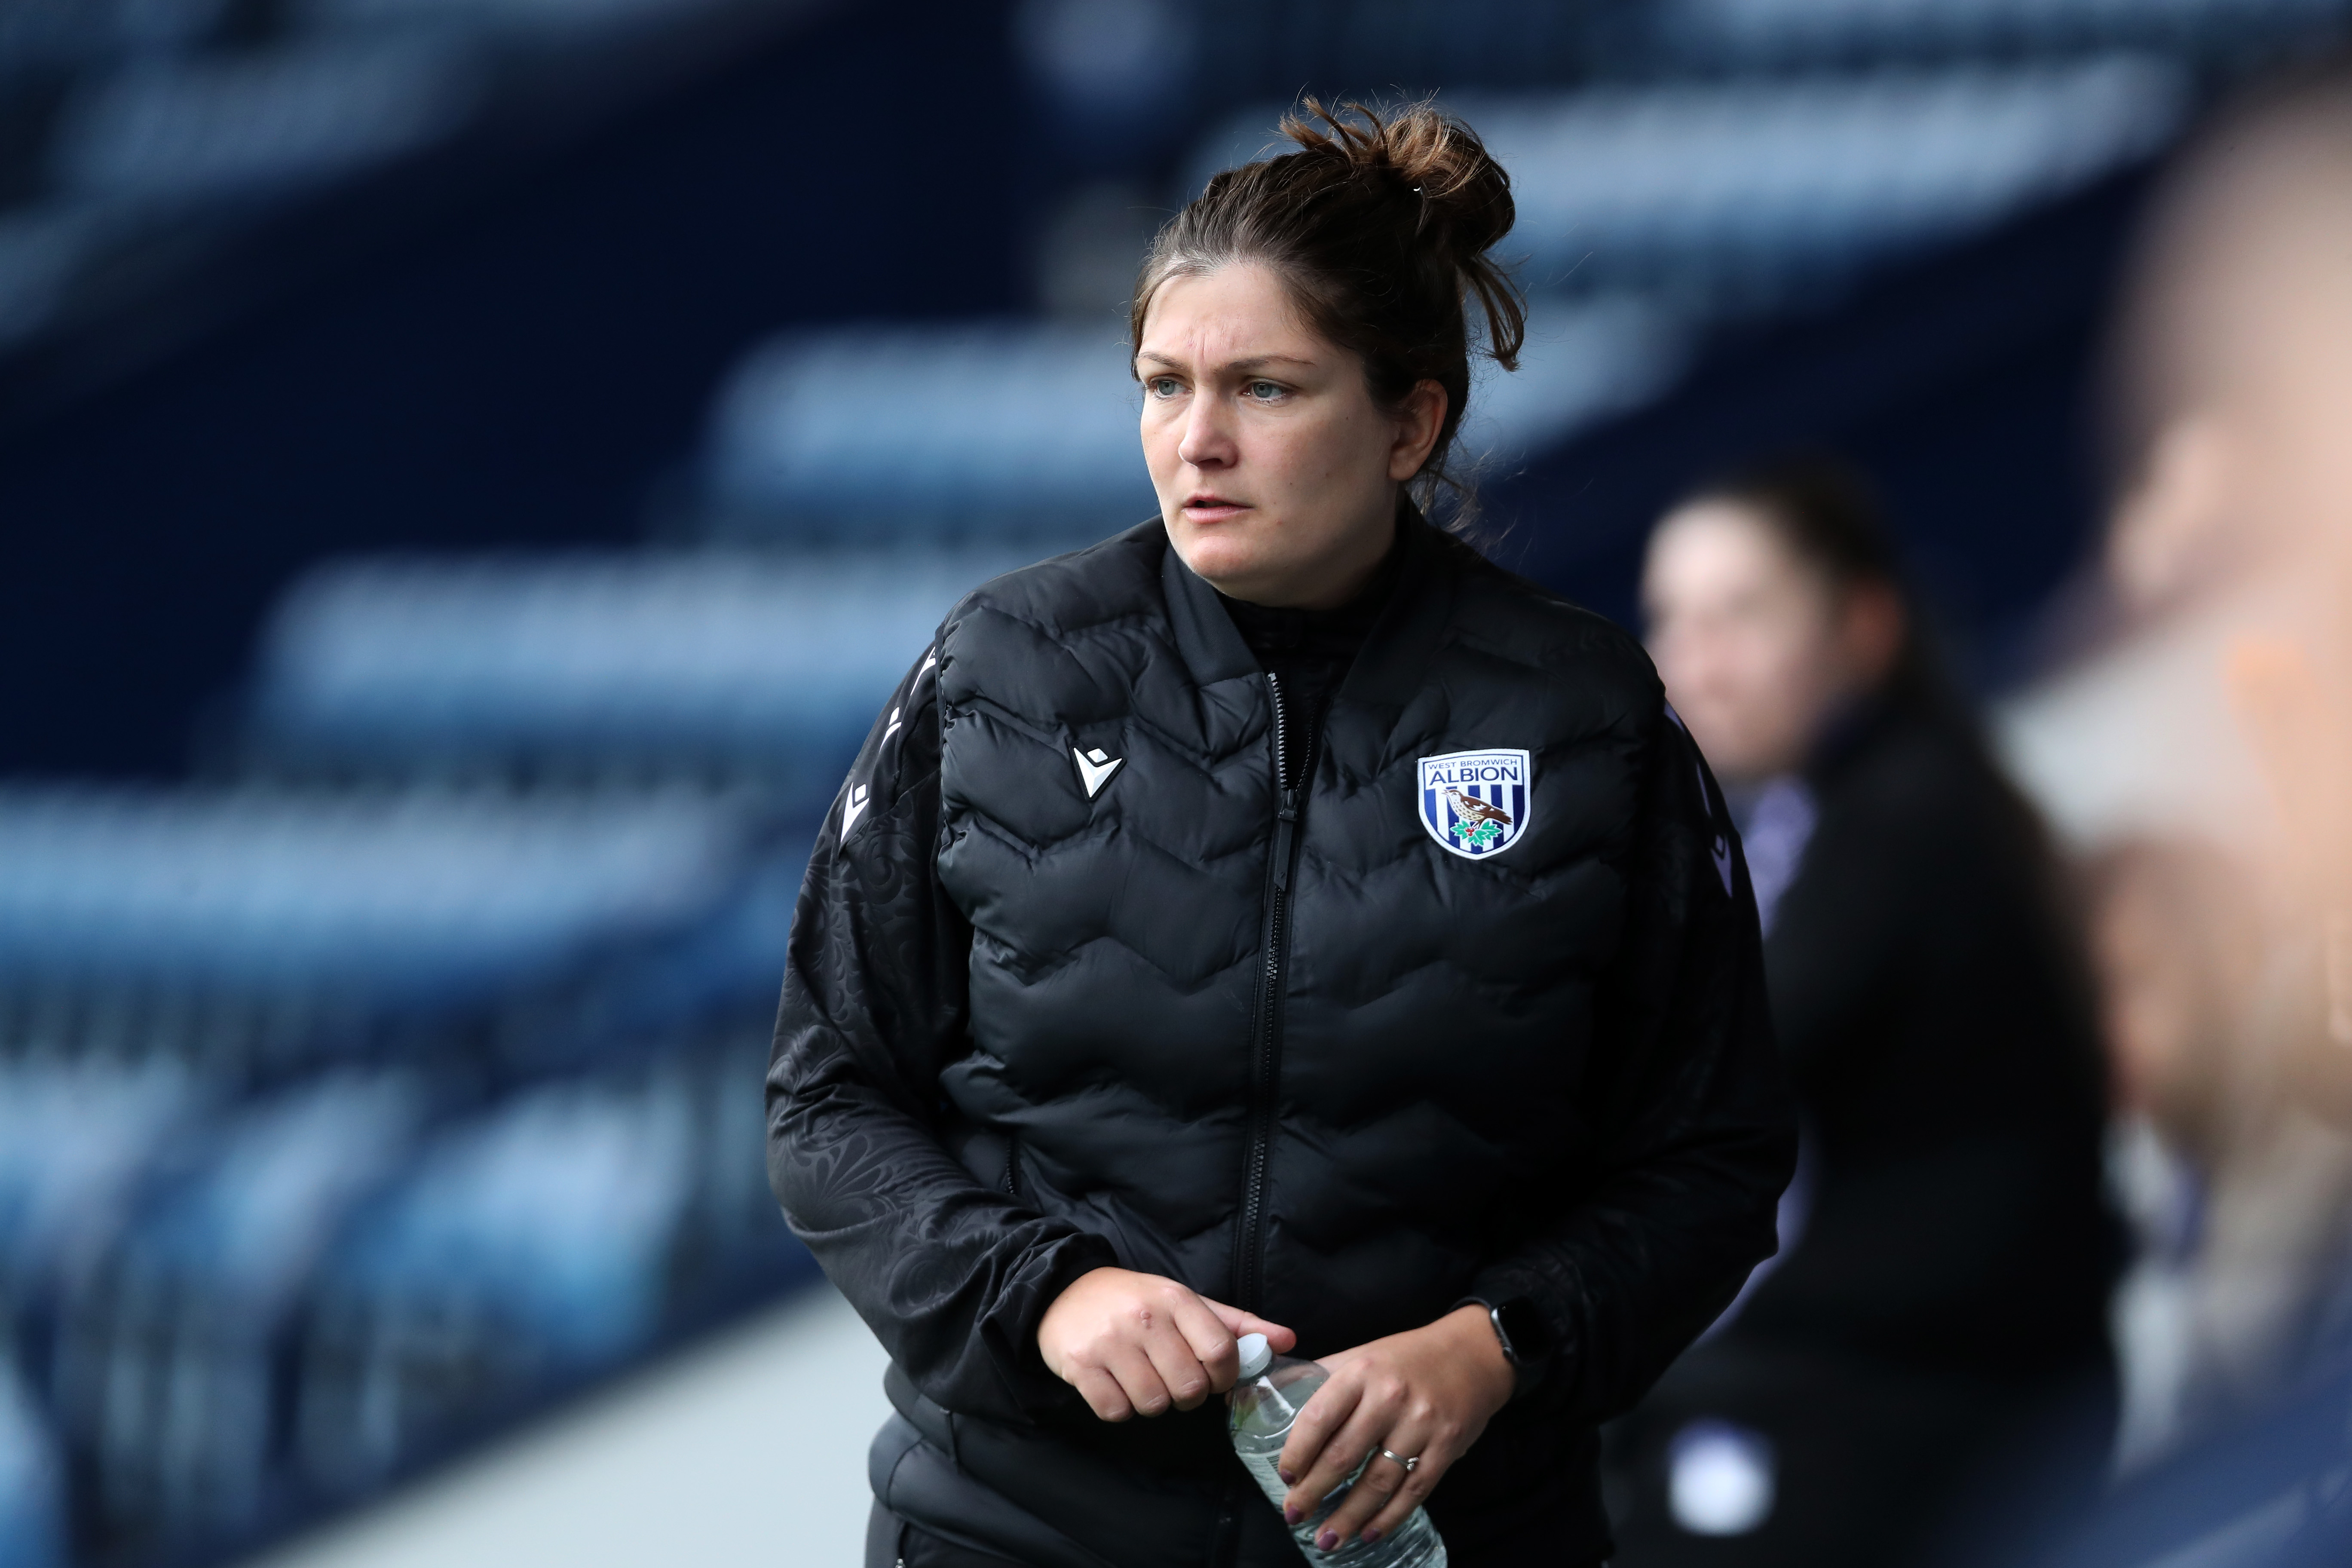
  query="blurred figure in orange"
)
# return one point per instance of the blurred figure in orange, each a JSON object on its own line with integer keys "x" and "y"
{"x": 2225, "y": 926}
{"x": 2233, "y": 541}
{"x": 1942, "y": 1288}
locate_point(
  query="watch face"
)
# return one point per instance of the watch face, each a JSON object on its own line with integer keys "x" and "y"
{"x": 1523, "y": 1334}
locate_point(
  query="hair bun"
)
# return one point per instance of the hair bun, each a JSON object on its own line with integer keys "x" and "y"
{"x": 1462, "y": 195}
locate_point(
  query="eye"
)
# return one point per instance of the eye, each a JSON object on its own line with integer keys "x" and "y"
{"x": 1265, "y": 391}
{"x": 1163, "y": 386}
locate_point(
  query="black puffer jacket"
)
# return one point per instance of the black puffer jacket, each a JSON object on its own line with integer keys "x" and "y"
{"x": 1075, "y": 981}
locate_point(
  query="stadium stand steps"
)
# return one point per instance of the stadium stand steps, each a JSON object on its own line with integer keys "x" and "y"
{"x": 406, "y": 1075}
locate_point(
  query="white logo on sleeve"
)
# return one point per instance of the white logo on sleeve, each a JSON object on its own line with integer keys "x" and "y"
{"x": 853, "y": 807}
{"x": 1094, "y": 769}
{"x": 1478, "y": 803}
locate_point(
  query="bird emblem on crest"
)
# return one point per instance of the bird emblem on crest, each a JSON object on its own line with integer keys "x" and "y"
{"x": 1472, "y": 810}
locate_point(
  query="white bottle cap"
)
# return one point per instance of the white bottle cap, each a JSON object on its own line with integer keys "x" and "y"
{"x": 1255, "y": 1355}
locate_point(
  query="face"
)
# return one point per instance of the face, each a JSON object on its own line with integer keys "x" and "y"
{"x": 1277, "y": 474}
{"x": 2252, "y": 345}
{"x": 1756, "y": 647}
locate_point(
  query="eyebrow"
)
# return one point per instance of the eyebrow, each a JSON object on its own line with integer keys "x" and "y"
{"x": 1255, "y": 362}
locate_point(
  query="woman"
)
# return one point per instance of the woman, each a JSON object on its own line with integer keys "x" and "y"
{"x": 1278, "y": 918}
{"x": 1948, "y": 1288}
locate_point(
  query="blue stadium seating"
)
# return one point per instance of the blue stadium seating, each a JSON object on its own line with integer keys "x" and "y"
{"x": 183, "y": 131}
{"x": 32, "y": 1482}
{"x": 538, "y": 1242}
{"x": 168, "y": 1366}
{"x": 410, "y": 1070}
{"x": 1740, "y": 188}
{"x": 337, "y": 907}
{"x": 78, "y": 1133}
{"x": 632, "y": 668}
{"x": 1783, "y": 33}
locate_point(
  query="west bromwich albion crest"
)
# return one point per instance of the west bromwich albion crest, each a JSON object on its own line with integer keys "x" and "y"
{"x": 1476, "y": 803}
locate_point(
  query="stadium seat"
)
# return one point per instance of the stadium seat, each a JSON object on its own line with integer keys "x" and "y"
{"x": 76, "y": 1137}
{"x": 169, "y": 1371}
{"x": 1784, "y": 33}
{"x": 255, "y": 931}
{"x": 538, "y": 1242}
{"x": 32, "y": 1482}
{"x": 755, "y": 669}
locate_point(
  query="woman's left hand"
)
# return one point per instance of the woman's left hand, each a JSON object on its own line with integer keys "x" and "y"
{"x": 1423, "y": 1396}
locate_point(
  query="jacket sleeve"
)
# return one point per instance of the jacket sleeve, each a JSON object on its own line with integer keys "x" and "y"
{"x": 1693, "y": 1131}
{"x": 950, "y": 1274}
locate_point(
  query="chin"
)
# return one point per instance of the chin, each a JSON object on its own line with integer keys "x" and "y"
{"x": 1219, "y": 558}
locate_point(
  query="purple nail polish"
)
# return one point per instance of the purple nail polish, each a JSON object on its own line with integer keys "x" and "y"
{"x": 1371, "y": 1534}
{"x": 1290, "y": 1513}
{"x": 1287, "y": 1479}
{"x": 1325, "y": 1542}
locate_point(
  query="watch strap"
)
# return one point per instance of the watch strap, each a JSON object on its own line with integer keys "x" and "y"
{"x": 1528, "y": 1349}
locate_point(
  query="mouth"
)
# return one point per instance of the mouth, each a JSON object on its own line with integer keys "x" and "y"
{"x": 1205, "y": 506}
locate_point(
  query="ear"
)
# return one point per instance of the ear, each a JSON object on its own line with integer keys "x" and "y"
{"x": 1874, "y": 624}
{"x": 2170, "y": 524}
{"x": 1418, "y": 423}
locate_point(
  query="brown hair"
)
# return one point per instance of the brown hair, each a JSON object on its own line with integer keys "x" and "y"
{"x": 1380, "y": 227}
{"x": 1824, "y": 510}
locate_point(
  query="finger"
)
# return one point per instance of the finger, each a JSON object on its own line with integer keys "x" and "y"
{"x": 1435, "y": 1460}
{"x": 1387, "y": 1492}
{"x": 1325, "y": 1414}
{"x": 1102, "y": 1394}
{"x": 1178, "y": 1369}
{"x": 1213, "y": 1345}
{"x": 1138, "y": 1379}
{"x": 1371, "y": 1413}
{"x": 1238, "y": 1322}
{"x": 1350, "y": 1446}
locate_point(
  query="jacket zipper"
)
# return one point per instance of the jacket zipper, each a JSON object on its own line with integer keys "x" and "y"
{"x": 1265, "y": 1059}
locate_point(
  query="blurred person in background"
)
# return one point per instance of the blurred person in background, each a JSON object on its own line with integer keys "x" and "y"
{"x": 2239, "y": 1194}
{"x": 2232, "y": 538}
{"x": 1277, "y": 918}
{"x": 1940, "y": 1304}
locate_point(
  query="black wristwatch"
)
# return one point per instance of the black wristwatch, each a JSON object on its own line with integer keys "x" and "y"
{"x": 1527, "y": 1339}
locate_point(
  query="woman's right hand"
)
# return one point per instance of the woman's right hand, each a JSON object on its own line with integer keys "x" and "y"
{"x": 1136, "y": 1343}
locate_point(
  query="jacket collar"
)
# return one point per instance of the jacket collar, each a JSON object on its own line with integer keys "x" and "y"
{"x": 1213, "y": 650}
{"x": 1395, "y": 661}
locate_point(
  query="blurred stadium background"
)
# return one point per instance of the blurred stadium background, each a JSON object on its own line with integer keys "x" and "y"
{"x": 469, "y": 470}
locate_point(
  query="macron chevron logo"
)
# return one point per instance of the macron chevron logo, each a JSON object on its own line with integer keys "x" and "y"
{"x": 1094, "y": 769}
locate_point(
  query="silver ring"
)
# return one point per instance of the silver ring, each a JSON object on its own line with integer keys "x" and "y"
{"x": 1400, "y": 1459}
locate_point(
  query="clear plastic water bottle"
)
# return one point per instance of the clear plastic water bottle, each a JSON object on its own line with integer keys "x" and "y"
{"x": 1272, "y": 1389}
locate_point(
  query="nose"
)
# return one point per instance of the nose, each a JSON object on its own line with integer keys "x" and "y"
{"x": 1208, "y": 441}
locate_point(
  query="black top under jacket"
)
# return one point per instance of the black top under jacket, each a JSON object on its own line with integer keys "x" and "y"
{"x": 1268, "y": 1036}
{"x": 1935, "y": 1014}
